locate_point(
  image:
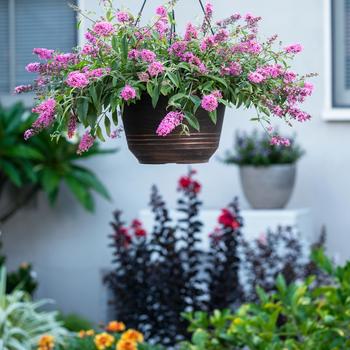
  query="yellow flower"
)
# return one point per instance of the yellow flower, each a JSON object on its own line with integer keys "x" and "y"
{"x": 133, "y": 335}
{"x": 237, "y": 321}
{"x": 126, "y": 345}
{"x": 46, "y": 342}
{"x": 103, "y": 341}
{"x": 88, "y": 333}
{"x": 115, "y": 326}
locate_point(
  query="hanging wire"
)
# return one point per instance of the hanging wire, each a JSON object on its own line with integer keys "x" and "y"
{"x": 173, "y": 25}
{"x": 206, "y": 17}
{"x": 140, "y": 13}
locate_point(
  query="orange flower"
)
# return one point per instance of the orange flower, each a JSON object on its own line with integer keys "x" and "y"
{"x": 126, "y": 345}
{"x": 88, "y": 333}
{"x": 132, "y": 335}
{"x": 46, "y": 342}
{"x": 115, "y": 326}
{"x": 103, "y": 341}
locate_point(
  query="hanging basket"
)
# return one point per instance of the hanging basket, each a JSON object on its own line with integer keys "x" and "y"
{"x": 141, "y": 121}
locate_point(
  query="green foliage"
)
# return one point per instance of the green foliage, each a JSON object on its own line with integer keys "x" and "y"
{"x": 21, "y": 321}
{"x": 255, "y": 149}
{"x": 21, "y": 279}
{"x": 41, "y": 164}
{"x": 75, "y": 323}
{"x": 296, "y": 317}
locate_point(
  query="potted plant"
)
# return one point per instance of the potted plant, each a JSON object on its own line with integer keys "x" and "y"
{"x": 267, "y": 168}
{"x": 170, "y": 89}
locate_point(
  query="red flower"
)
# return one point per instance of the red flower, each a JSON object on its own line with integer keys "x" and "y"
{"x": 139, "y": 231}
{"x": 227, "y": 219}
{"x": 136, "y": 223}
{"x": 186, "y": 183}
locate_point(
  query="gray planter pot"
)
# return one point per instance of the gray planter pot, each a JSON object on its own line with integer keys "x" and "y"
{"x": 268, "y": 187}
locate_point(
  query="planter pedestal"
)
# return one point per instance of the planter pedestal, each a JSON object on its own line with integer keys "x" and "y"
{"x": 141, "y": 121}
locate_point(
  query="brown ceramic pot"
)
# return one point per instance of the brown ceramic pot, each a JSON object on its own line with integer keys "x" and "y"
{"x": 141, "y": 121}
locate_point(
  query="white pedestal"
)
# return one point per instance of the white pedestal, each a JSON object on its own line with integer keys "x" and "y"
{"x": 256, "y": 222}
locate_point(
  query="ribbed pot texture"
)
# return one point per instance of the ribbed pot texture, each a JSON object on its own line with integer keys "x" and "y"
{"x": 140, "y": 124}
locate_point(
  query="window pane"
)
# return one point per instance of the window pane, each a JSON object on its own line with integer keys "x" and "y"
{"x": 42, "y": 23}
{"x": 341, "y": 53}
{"x": 4, "y": 47}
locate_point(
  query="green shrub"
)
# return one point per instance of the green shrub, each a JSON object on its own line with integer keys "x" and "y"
{"x": 41, "y": 165}
{"x": 296, "y": 317}
{"x": 22, "y": 323}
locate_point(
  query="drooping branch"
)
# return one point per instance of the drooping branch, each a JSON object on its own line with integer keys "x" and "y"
{"x": 18, "y": 204}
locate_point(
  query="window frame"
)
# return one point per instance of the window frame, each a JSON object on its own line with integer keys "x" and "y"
{"x": 330, "y": 111}
{"x": 8, "y": 98}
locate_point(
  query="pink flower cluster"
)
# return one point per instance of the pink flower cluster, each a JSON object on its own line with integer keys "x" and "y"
{"x": 169, "y": 123}
{"x": 46, "y": 111}
{"x": 191, "y": 32}
{"x": 210, "y": 102}
{"x": 103, "y": 29}
{"x": 262, "y": 73}
{"x": 234, "y": 69}
{"x": 122, "y": 17}
{"x": 23, "y": 88}
{"x": 279, "y": 141}
{"x": 86, "y": 142}
{"x": 44, "y": 54}
{"x": 250, "y": 46}
{"x": 155, "y": 68}
{"x": 77, "y": 79}
{"x": 128, "y": 93}
{"x": 293, "y": 49}
{"x": 33, "y": 67}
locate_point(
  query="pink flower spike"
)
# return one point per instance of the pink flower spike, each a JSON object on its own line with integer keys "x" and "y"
{"x": 209, "y": 9}
{"x": 44, "y": 54}
{"x": 103, "y": 28}
{"x": 128, "y": 93}
{"x": 209, "y": 103}
{"x": 72, "y": 126}
{"x": 23, "y": 88}
{"x": 28, "y": 134}
{"x": 86, "y": 142}
{"x": 294, "y": 48}
{"x": 169, "y": 123}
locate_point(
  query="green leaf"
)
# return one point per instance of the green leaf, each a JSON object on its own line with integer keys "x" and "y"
{"x": 213, "y": 116}
{"x": 192, "y": 120}
{"x": 100, "y": 134}
{"x": 173, "y": 79}
{"x": 90, "y": 179}
{"x": 80, "y": 192}
{"x": 107, "y": 123}
{"x": 82, "y": 110}
{"x": 155, "y": 96}
{"x": 124, "y": 49}
{"x": 23, "y": 151}
{"x": 50, "y": 180}
{"x": 10, "y": 170}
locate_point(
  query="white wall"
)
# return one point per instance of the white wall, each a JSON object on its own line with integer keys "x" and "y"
{"x": 69, "y": 247}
